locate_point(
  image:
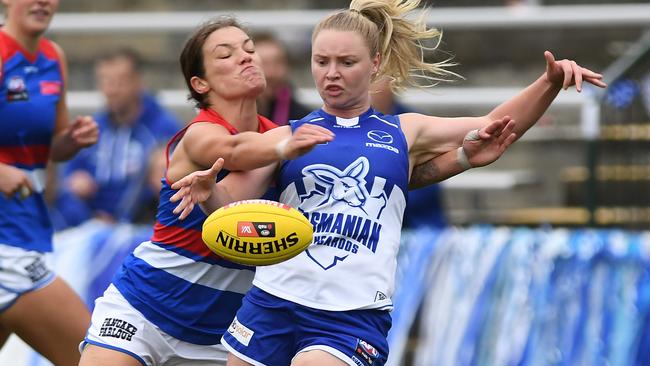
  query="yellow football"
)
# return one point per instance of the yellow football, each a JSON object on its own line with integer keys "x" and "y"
{"x": 257, "y": 232}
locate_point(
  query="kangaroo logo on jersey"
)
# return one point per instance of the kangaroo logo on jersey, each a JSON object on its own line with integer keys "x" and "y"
{"x": 347, "y": 186}
{"x": 16, "y": 89}
{"x": 348, "y": 214}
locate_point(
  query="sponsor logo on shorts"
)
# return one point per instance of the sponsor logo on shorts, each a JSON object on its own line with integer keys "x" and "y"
{"x": 240, "y": 332}
{"x": 37, "y": 270}
{"x": 366, "y": 351}
{"x": 246, "y": 247}
{"x": 357, "y": 361}
{"x": 255, "y": 229}
{"x": 117, "y": 328}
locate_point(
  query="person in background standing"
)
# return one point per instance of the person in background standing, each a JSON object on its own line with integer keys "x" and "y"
{"x": 107, "y": 181}
{"x": 278, "y": 101}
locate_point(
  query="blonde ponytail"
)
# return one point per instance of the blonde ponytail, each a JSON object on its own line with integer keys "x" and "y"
{"x": 398, "y": 40}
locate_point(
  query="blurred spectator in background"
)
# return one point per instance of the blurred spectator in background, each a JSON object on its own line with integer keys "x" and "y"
{"x": 424, "y": 206}
{"x": 109, "y": 180}
{"x": 278, "y": 102}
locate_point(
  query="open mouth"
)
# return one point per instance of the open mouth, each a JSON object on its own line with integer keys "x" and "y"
{"x": 333, "y": 90}
{"x": 42, "y": 13}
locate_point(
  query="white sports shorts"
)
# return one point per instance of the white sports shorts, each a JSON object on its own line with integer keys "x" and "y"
{"x": 21, "y": 271}
{"x": 116, "y": 325}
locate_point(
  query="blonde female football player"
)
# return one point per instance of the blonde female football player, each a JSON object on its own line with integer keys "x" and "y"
{"x": 172, "y": 299}
{"x": 329, "y": 305}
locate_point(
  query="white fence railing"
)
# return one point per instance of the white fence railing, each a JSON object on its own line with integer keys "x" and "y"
{"x": 571, "y": 16}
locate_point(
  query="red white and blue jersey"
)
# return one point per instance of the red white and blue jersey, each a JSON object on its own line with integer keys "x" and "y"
{"x": 353, "y": 191}
{"x": 30, "y": 88}
{"x": 174, "y": 280}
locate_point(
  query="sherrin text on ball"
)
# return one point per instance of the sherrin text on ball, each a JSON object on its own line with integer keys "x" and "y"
{"x": 257, "y": 232}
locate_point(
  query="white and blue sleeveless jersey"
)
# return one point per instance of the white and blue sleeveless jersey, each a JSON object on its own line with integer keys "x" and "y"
{"x": 353, "y": 191}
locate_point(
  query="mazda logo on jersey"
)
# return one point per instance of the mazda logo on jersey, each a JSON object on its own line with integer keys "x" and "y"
{"x": 380, "y": 136}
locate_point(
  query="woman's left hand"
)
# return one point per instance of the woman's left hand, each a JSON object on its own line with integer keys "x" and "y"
{"x": 487, "y": 144}
{"x": 568, "y": 73}
{"x": 194, "y": 188}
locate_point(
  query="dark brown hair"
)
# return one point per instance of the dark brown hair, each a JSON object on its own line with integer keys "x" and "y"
{"x": 191, "y": 58}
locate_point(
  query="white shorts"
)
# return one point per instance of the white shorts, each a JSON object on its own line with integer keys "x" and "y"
{"x": 116, "y": 325}
{"x": 21, "y": 271}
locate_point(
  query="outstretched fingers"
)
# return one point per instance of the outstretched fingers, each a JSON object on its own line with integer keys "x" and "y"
{"x": 495, "y": 128}
{"x": 503, "y": 146}
{"x": 185, "y": 206}
{"x": 312, "y": 131}
{"x": 577, "y": 71}
{"x": 507, "y": 132}
{"x": 594, "y": 78}
{"x": 568, "y": 74}
{"x": 194, "y": 188}
{"x": 195, "y": 177}
{"x": 305, "y": 138}
{"x": 216, "y": 168}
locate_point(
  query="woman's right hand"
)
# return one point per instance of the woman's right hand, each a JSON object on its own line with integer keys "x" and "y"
{"x": 14, "y": 180}
{"x": 195, "y": 188}
{"x": 303, "y": 140}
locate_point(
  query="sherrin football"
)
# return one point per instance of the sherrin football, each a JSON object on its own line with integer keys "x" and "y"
{"x": 257, "y": 232}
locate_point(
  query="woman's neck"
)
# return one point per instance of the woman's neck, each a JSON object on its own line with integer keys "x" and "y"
{"x": 347, "y": 111}
{"x": 28, "y": 42}
{"x": 241, "y": 114}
